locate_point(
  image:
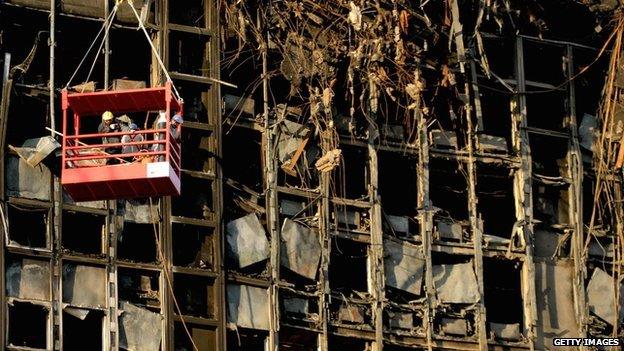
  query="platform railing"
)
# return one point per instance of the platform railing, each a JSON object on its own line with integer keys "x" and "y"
{"x": 76, "y": 149}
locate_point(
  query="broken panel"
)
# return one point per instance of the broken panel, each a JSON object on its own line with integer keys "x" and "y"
{"x": 248, "y": 306}
{"x": 247, "y": 243}
{"x": 193, "y": 246}
{"x": 554, "y": 291}
{"x": 83, "y": 232}
{"x": 25, "y": 181}
{"x": 601, "y": 297}
{"x": 84, "y": 286}
{"x": 298, "y": 309}
{"x": 139, "y": 328}
{"x": 28, "y": 325}
{"x": 28, "y": 278}
{"x": 137, "y": 210}
{"x": 300, "y": 249}
{"x": 403, "y": 265}
{"x": 454, "y": 279}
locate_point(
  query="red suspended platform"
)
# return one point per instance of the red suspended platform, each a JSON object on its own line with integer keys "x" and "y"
{"x": 90, "y": 173}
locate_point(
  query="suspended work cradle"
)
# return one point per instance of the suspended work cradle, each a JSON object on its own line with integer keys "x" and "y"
{"x": 91, "y": 168}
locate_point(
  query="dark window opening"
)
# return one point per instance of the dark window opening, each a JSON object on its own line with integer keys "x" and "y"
{"x": 195, "y": 295}
{"x": 137, "y": 243}
{"x": 547, "y": 110}
{"x": 496, "y": 112}
{"x": 496, "y": 203}
{"x": 89, "y": 329}
{"x": 191, "y": 14}
{"x": 501, "y": 54}
{"x": 549, "y": 157}
{"x": 28, "y": 325}
{"x": 140, "y": 287}
{"x": 193, "y": 246}
{"x": 246, "y": 340}
{"x": 448, "y": 188}
{"x": 544, "y": 62}
{"x": 195, "y": 109}
{"x": 551, "y": 205}
{"x": 351, "y": 177}
{"x": 587, "y": 97}
{"x": 28, "y": 226}
{"x": 195, "y": 201}
{"x": 398, "y": 184}
{"x": 83, "y": 232}
{"x": 503, "y": 294}
{"x": 187, "y": 53}
{"x": 293, "y": 339}
{"x": 348, "y": 266}
{"x": 196, "y": 150}
{"x": 241, "y": 157}
{"x": 204, "y": 338}
{"x": 135, "y": 66}
{"x": 344, "y": 343}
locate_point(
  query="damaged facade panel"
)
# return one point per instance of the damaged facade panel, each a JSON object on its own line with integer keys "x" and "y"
{"x": 403, "y": 266}
{"x": 300, "y": 250}
{"x": 247, "y": 243}
{"x": 28, "y": 279}
{"x": 248, "y": 307}
{"x": 84, "y": 286}
{"x": 139, "y": 328}
{"x": 456, "y": 283}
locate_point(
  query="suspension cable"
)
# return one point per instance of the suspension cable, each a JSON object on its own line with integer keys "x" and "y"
{"x": 105, "y": 25}
{"x": 162, "y": 65}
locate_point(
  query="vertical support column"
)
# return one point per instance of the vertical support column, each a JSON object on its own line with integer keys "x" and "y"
{"x": 575, "y": 172}
{"x": 376, "y": 247}
{"x": 111, "y": 285}
{"x": 4, "y": 106}
{"x": 475, "y": 223}
{"x": 271, "y": 200}
{"x": 325, "y": 240}
{"x": 426, "y": 221}
{"x": 57, "y": 203}
{"x": 524, "y": 194}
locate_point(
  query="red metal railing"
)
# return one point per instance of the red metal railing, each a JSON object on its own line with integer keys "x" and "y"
{"x": 161, "y": 147}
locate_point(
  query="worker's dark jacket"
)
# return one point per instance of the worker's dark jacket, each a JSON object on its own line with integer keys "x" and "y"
{"x": 103, "y": 128}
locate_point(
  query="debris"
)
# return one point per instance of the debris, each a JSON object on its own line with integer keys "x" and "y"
{"x": 33, "y": 151}
{"x": 454, "y": 326}
{"x": 443, "y": 139}
{"x": 246, "y": 241}
{"x": 125, "y": 84}
{"x": 329, "y": 161}
{"x": 505, "y": 331}
{"x": 355, "y": 16}
{"x": 401, "y": 320}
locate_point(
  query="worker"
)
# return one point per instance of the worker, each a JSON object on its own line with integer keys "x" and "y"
{"x": 176, "y": 126}
{"x": 132, "y": 138}
{"x": 107, "y": 126}
{"x": 174, "y": 130}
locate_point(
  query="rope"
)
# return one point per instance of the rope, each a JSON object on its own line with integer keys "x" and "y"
{"x": 108, "y": 20}
{"x": 166, "y": 273}
{"x": 103, "y": 40}
{"x": 149, "y": 40}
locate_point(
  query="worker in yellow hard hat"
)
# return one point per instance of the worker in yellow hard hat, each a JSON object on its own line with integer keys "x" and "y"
{"x": 108, "y": 126}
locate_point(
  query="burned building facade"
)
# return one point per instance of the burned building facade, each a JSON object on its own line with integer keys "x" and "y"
{"x": 357, "y": 176}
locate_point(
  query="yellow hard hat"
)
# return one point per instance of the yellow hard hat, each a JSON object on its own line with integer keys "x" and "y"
{"x": 107, "y": 116}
